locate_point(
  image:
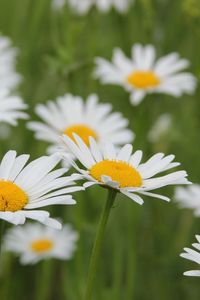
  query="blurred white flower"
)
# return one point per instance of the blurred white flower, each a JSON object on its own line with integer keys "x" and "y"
{"x": 35, "y": 242}
{"x": 25, "y": 188}
{"x": 160, "y": 127}
{"x": 58, "y": 4}
{"x": 9, "y": 78}
{"x": 192, "y": 255}
{"x": 142, "y": 74}
{"x": 70, "y": 114}
{"x": 11, "y": 108}
{"x": 83, "y": 6}
{"x": 5, "y": 131}
{"x": 189, "y": 198}
{"x": 122, "y": 170}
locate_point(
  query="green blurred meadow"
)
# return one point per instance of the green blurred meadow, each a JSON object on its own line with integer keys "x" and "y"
{"x": 140, "y": 256}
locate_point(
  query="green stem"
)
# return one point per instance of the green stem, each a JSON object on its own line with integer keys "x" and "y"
{"x": 2, "y": 229}
{"x": 43, "y": 280}
{"x": 98, "y": 242}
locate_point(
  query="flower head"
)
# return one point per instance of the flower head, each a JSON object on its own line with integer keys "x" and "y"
{"x": 69, "y": 114}
{"x": 35, "y": 242}
{"x": 160, "y": 127}
{"x": 122, "y": 170}
{"x": 192, "y": 255}
{"x": 189, "y": 198}
{"x": 23, "y": 189}
{"x": 142, "y": 74}
{"x": 9, "y": 78}
{"x": 58, "y": 4}
{"x": 82, "y": 7}
{"x": 11, "y": 108}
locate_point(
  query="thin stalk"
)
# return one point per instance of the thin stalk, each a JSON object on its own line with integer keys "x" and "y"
{"x": 98, "y": 242}
{"x": 2, "y": 229}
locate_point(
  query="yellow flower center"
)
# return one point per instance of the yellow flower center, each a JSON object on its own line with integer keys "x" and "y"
{"x": 12, "y": 197}
{"x": 81, "y": 130}
{"x": 143, "y": 79}
{"x": 42, "y": 245}
{"x": 119, "y": 171}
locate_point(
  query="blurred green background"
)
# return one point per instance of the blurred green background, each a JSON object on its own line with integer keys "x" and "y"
{"x": 140, "y": 257}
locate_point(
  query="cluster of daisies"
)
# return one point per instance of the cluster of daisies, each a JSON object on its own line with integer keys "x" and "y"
{"x": 91, "y": 139}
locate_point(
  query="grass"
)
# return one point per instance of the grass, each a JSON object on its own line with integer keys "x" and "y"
{"x": 140, "y": 257}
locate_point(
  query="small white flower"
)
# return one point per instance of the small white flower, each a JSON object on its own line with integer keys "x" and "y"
{"x": 122, "y": 170}
{"x": 9, "y": 78}
{"x": 5, "y": 131}
{"x": 189, "y": 198}
{"x": 82, "y": 7}
{"x": 35, "y": 242}
{"x": 192, "y": 255}
{"x": 160, "y": 128}
{"x": 58, "y": 4}
{"x": 11, "y": 108}
{"x": 70, "y": 114}
{"x": 25, "y": 188}
{"x": 142, "y": 74}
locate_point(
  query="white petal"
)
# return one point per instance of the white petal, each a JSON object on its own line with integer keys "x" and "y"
{"x": 132, "y": 196}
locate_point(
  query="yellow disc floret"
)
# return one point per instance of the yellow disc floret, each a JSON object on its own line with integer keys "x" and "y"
{"x": 119, "y": 171}
{"x": 42, "y": 245}
{"x": 143, "y": 79}
{"x": 12, "y": 197}
{"x": 81, "y": 130}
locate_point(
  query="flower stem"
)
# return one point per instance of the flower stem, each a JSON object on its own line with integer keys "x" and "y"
{"x": 98, "y": 242}
{"x": 2, "y": 229}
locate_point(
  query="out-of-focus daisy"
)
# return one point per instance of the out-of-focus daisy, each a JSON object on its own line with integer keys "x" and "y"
{"x": 26, "y": 188}
{"x": 189, "y": 198}
{"x": 11, "y": 108}
{"x": 192, "y": 255}
{"x": 82, "y": 7}
{"x": 122, "y": 170}
{"x": 5, "y": 131}
{"x": 160, "y": 128}
{"x": 58, "y": 4}
{"x": 9, "y": 78}
{"x": 70, "y": 114}
{"x": 35, "y": 242}
{"x": 142, "y": 74}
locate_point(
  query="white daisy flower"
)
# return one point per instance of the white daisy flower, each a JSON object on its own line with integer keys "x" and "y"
{"x": 189, "y": 198}
{"x": 35, "y": 242}
{"x": 70, "y": 114}
{"x": 82, "y": 7}
{"x": 58, "y": 4}
{"x": 142, "y": 74}
{"x": 25, "y": 188}
{"x": 160, "y": 128}
{"x": 192, "y": 255}
{"x": 122, "y": 170}
{"x": 9, "y": 78}
{"x": 11, "y": 108}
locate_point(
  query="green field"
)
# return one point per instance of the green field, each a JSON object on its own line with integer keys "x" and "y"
{"x": 140, "y": 256}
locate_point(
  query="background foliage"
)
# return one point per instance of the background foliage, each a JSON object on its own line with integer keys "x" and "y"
{"x": 140, "y": 258}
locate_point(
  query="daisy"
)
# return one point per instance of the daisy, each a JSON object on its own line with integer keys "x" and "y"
{"x": 189, "y": 198}
{"x": 142, "y": 74}
{"x": 9, "y": 78}
{"x": 70, "y": 114}
{"x": 192, "y": 255}
{"x": 23, "y": 189}
{"x": 58, "y": 4}
{"x": 122, "y": 170}
{"x": 11, "y": 108}
{"x": 82, "y": 7}
{"x": 35, "y": 242}
{"x": 160, "y": 128}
